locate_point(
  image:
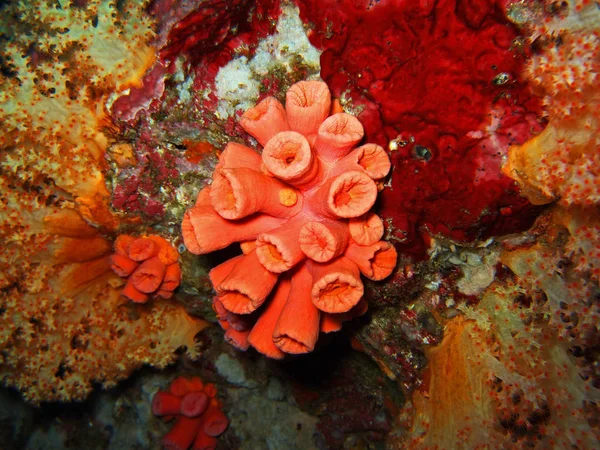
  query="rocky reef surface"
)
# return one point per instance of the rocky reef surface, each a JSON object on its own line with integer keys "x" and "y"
{"x": 120, "y": 117}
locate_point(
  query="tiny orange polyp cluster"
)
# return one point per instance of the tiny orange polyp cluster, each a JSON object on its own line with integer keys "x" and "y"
{"x": 301, "y": 213}
{"x": 198, "y": 414}
{"x": 150, "y": 265}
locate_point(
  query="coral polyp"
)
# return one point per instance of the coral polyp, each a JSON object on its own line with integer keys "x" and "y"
{"x": 150, "y": 265}
{"x": 198, "y": 414}
{"x": 301, "y": 213}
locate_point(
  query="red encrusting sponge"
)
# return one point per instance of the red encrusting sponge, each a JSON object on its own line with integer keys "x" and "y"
{"x": 199, "y": 418}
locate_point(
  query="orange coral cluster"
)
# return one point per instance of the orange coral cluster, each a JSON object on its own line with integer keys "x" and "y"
{"x": 301, "y": 213}
{"x": 198, "y": 413}
{"x": 149, "y": 263}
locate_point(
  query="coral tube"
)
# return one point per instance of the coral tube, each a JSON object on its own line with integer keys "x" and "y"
{"x": 350, "y": 194}
{"x": 366, "y": 229}
{"x": 236, "y": 156}
{"x": 288, "y": 156}
{"x": 371, "y": 158}
{"x": 122, "y": 244}
{"x": 336, "y": 285}
{"x": 239, "y": 339}
{"x": 307, "y": 104}
{"x": 183, "y": 433}
{"x": 180, "y": 386}
{"x": 205, "y": 231}
{"x": 279, "y": 250}
{"x": 375, "y": 261}
{"x": 237, "y": 193}
{"x": 141, "y": 249}
{"x": 215, "y": 422}
{"x": 323, "y": 241}
{"x": 133, "y": 294}
{"x": 236, "y": 326}
{"x": 193, "y": 404}
{"x": 167, "y": 254}
{"x": 247, "y": 286}
{"x": 172, "y": 277}
{"x": 261, "y": 336}
{"x": 165, "y": 404}
{"x": 218, "y": 274}
{"x": 149, "y": 275}
{"x": 297, "y": 329}
{"x": 337, "y": 135}
{"x": 265, "y": 120}
{"x": 122, "y": 265}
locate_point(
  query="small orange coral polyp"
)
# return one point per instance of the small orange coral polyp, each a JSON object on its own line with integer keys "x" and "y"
{"x": 198, "y": 414}
{"x": 301, "y": 213}
{"x": 150, "y": 265}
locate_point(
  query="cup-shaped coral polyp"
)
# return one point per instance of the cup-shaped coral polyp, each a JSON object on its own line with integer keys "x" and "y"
{"x": 366, "y": 229}
{"x": 246, "y": 283}
{"x": 376, "y": 261}
{"x": 279, "y": 250}
{"x": 197, "y": 413}
{"x": 373, "y": 159}
{"x": 337, "y": 287}
{"x": 238, "y": 193}
{"x": 149, "y": 263}
{"x": 193, "y": 404}
{"x": 300, "y": 210}
{"x": 337, "y": 135}
{"x": 265, "y": 120}
{"x": 295, "y": 336}
{"x": 350, "y": 194}
{"x": 307, "y": 105}
{"x": 324, "y": 240}
{"x": 288, "y": 157}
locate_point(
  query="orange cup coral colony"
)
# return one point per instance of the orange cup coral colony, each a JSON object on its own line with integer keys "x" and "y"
{"x": 150, "y": 265}
{"x": 199, "y": 418}
{"x": 301, "y": 213}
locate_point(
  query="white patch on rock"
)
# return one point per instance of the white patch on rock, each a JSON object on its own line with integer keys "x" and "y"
{"x": 237, "y": 83}
{"x": 233, "y": 371}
